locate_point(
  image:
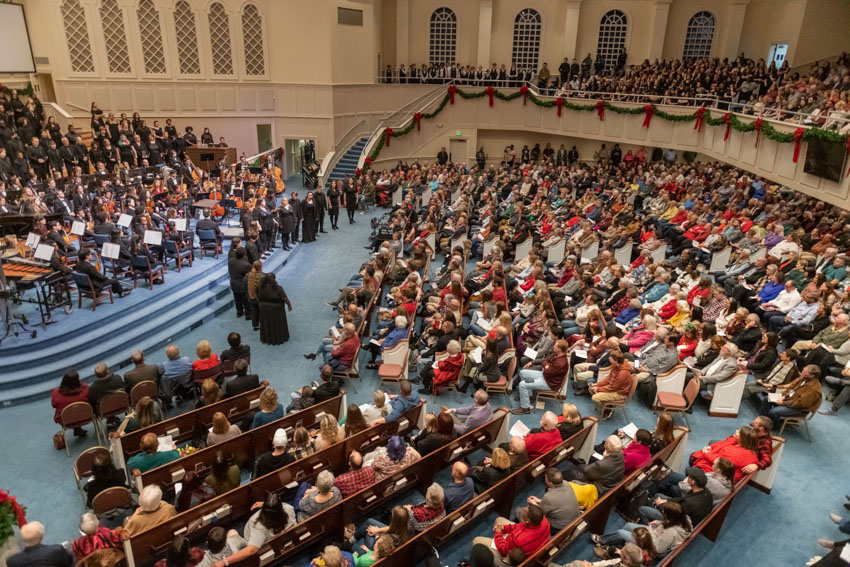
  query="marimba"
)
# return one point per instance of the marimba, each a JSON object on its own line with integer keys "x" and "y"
{"x": 52, "y": 289}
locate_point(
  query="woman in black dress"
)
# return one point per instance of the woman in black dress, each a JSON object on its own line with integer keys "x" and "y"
{"x": 350, "y": 192}
{"x": 310, "y": 210}
{"x": 274, "y": 329}
{"x": 333, "y": 204}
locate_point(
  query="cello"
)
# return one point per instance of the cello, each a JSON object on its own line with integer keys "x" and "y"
{"x": 215, "y": 195}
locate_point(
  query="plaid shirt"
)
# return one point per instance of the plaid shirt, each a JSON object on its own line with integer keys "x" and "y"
{"x": 354, "y": 481}
{"x": 765, "y": 451}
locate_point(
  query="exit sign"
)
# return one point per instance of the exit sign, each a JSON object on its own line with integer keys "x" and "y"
{"x": 457, "y": 133}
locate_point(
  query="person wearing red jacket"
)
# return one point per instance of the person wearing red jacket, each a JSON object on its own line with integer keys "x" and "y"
{"x": 529, "y": 535}
{"x": 741, "y": 449}
{"x": 540, "y": 443}
{"x": 617, "y": 385}
{"x": 550, "y": 377}
{"x": 637, "y": 453}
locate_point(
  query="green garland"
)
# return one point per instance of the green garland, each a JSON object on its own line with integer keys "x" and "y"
{"x": 26, "y": 91}
{"x": 8, "y": 521}
{"x": 767, "y": 129}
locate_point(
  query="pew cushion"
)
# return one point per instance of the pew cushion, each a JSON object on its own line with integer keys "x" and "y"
{"x": 672, "y": 400}
{"x": 389, "y": 370}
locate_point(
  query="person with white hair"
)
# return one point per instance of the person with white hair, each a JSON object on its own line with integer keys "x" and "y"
{"x": 152, "y": 511}
{"x": 605, "y": 473}
{"x": 379, "y": 407}
{"x": 540, "y": 443}
{"x": 443, "y": 372}
{"x": 319, "y": 497}
{"x": 37, "y": 553}
{"x": 722, "y": 368}
{"x": 377, "y": 345}
{"x": 429, "y": 512}
{"x": 94, "y": 537}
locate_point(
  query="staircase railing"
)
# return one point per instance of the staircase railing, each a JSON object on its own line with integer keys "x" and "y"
{"x": 332, "y": 158}
{"x": 400, "y": 117}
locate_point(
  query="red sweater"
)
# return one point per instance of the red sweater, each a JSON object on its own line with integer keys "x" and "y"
{"x": 635, "y": 456}
{"x": 730, "y": 449}
{"x": 346, "y": 350}
{"x": 61, "y": 401}
{"x": 537, "y": 444}
{"x": 528, "y": 538}
{"x": 206, "y": 364}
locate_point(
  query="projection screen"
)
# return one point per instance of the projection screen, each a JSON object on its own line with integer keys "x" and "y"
{"x": 15, "y": 49}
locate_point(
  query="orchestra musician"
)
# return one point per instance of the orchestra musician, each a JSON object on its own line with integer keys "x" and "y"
{"x": 99, "y": 281}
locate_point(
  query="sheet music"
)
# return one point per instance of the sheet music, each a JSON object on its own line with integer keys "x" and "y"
{"x": 110, "y": 250}
{"x": 32, "y": 240}
{"x": 180, "y": 224}
{"x": 78, "y": 228}
{"x": 124, "y": 220}
{"x": 153, "y": 237}
{"x": 519, "y": 429}
{"x": 44, "y": 252}
{"x": 476, "y": 355}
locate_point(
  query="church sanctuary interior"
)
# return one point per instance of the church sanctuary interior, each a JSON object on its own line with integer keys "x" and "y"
{"x": 424, "y": 283}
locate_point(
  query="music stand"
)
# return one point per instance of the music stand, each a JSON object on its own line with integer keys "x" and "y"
{"x": 10, "y": 321}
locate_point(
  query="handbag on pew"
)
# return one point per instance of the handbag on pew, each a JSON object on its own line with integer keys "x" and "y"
{"x": 59, "y": 441}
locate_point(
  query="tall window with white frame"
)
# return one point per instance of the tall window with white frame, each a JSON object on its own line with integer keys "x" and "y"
{"x": 77, "y": 36}
{"x": 443, "y": 40}
{"x": 151, "y": 35}
{"x": 699, "y": 36}
{"x": 252, "y": 37}
{"x": 612, "y": 37}
{"x": 187, "y": 39}
{"x": 526, "y": 46}
{"x": 114, "y": 36}
{"x": 222, "y": 58}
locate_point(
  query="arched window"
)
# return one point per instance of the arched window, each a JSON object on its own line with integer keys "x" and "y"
{"x": 151, "y": 36}
{"x": 526, "y": 48}
{"x": 187, "y": 39}
{"x": 699, "y": 36}
{"x": 77, "y": 36}
{"x": 114, "y": 36}
{"x": 443, "y": 36}
{"x": 252, "y": 37}
{"x": 612, "y": 37}
{"x": 222, "y": 59}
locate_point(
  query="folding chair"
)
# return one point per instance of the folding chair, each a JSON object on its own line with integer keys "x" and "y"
{"x": 614, "y": 404}
{"x": 558, "y": 395}
{"x": 802, "y": 420}
{"x": 200, "y": 376}
{"x": 112, "y": 405}
{"x": 208, "y": 241}
{"x": 76, "y": 415}
{"x": 111, "y": 499}
{"x": 142, "y": 268}
{"x": 119, "y": 271}
{"x": 85, "y": 288}
{"x": 83, "y": 466}
{"x": 679, "y": 403}
{"x": 147, "y": 388}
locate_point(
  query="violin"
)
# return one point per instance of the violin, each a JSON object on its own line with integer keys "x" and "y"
{"x": 280, "y": 187}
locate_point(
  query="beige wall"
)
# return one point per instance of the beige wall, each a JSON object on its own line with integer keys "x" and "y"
{"x": 825, "y": 31}
{"x": 771, "y": 21}
{"x": 466, "y": 12}
{"x": 681, "y": 12}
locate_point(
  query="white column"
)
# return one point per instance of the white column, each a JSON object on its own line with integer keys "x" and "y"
{"x": 731, "y": 40}
{"x": 402, "y": 32}
{"x": 659, "y": 29}
{"x": 571, "y": 29}
{"x": 485, "y": 32}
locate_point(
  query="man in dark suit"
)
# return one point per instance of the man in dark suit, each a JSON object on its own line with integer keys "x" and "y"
{"x": 237, "y": 350}
{"x": 295, "y": 203}
{"x": 237, "y": 267}
{"x": 209, "y": 224}
{"x": 141, "y": 372}
{"x": 442, "y": 156}
{"x": 55, "y": 237}
{"x": 63, "y": 206}
{"x": 321, "y": 207}
{"x": 37, "y": 554}
{"x": 329, "y": 387}
{"x": 98, "y": 280}
{"x": 243, "y": 382}
{"x": 104, "y": 383}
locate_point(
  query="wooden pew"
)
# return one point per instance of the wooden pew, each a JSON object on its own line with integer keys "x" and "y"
{"x": 420, "y": 474}
{"x": 595, "y": 518}
{"x": 187, "y": 426}
{"x": 242, "y": 449}
{"x": 500, "y": 497}
{"x": 144, "y": 548}
{"x": 710, "y": 526}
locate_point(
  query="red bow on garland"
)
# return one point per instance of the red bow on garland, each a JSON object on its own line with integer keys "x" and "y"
{"x": 648, "y": 111}
{"x": 417, "y": 117}
{"x": 559, "y": 102}
{"x": 357, "y": 172}
{"x": 19, "y": 512}
{"x": 368, "y": 161}
{"x": 600, "y": 109}
{"x": 452, "y": 91}
{"x": 726, "y": 118}
{"x": 524, "y": 91}
{"x": 389, "y": 132}
{"x": 798, "y": 138}
{"x": 758, "y": 130}
{"x": 490, "y": 91}
{"x": 700, "y": 118}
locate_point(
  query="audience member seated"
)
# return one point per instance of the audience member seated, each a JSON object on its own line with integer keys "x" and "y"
{"x": 176, "y": 373}
{"x": 140, "y": 372}
{"x": 570, "y": 421}
{"x": 550, "y": 377}
{"x": 223, "y": 476}
{"x": 193, "y": 491}
{"x": 667, "y": 534}
{"x": 631, "y": 555}
{"x": 529, "y": 534}
{"x": 105, "y": 382}
{"x": 397, "y": 455}
{"x": 471, "y": 416}
{"x": 95, "y": 537}
{"x": 319, "y": 497}
{"x": 637, "y": 453}
{"x": 301, "y": 400}
{"x": 206, "y": 357}
{"x": 277, "y": 458}
{"x": 439, "y": 430}
{"x": 151, "y": 512}
{"x": 616, "y": 386}
{"x": 696, "y": 502}
{"x": 400, "y": 403}
{"x": 330, "y": 386}
{"x": 354, "y": 421}
{"x": 329, "y": 433}
{"x": 221, "y": 544}
{"x": 461, "y": 488}
{"x": 104, "y": 475}
{"x": 496, "y": 469}
{"x": 799, "y": 397}
{"x": 144, "y": 415}
{"x": 559, "y": 503}
{"x": 357, "y": 478}
{"x": 538, "y": 443}
{"x": 270, "y": 409}
{"x": 272, "y": 517}
{"x": 69, "y": 391}
{"x": 605, "y": 473}
{"x": 338, "y": 353}
{"x": 741, "y": 449}
{"x": 149, "y": 458}
{"x": 37, "y": 553}
{"x": 378, "y": 409}
{"x": 210, "y": 393}
{"x": 429, "y": 512}
{"x": 237, "y": 350}
{"x": 443, "y": 372}
{"x": 242, "y": 382}
{"x": 399, "y": 529}
{"x": 302, "y": 444}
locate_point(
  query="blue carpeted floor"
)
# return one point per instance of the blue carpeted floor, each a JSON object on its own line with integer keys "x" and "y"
{"x": 776, "y": 529}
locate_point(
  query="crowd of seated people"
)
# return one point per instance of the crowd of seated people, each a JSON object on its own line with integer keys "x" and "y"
{"x": 742, "y": 84}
